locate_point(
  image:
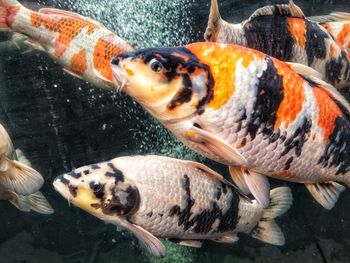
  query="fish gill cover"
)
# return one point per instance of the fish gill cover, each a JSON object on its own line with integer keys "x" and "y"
{"x": 61, "y": 122}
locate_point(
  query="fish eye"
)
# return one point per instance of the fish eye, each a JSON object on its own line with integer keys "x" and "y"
{"x": 156, "y": 65}
{"x": 95, "y": 186}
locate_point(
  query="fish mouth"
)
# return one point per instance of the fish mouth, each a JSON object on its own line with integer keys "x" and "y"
{"x": 62, "y": 188}
{"x": 119, "y": 75}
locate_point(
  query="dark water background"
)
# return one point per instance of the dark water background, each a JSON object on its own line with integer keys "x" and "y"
{"x": 61, "y": 122}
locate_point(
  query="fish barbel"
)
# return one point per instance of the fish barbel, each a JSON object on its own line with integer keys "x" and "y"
{"x": 183, "y": 201}
{"x": 81, "y": 45}
{"x": 243, "y": 108}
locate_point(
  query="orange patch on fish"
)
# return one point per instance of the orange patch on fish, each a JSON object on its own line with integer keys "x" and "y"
{"x": 344, "y": 35}
{"x": 66, "y": 27}
{"x": 78, "y": 63}
{"x": 297, "y": 28}
{"x": 222, "y": 60}
{"x": 104, "y": 51}
{"x": 328, "y": 111}
{"x": 293, "y": 94}
{"x": 186, "y": 59}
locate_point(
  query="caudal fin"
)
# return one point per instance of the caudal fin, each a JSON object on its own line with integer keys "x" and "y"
{"x": 34, "y": 202}
{"x": 7, "y": 9}
{"x": 267, "y": 230}
{"x": 213, "y": 22}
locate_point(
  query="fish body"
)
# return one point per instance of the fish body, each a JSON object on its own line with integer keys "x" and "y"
{"x": 282, "y": 31}
{"x": 81, "y": 45}
{"x": 248, "y": 110}
{"x": 180, "y": 200}
{"x": 19, "y": 183}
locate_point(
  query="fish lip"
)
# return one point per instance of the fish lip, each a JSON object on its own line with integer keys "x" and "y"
{"x": 119, "y": 75}
{"x": 61, "y": 188}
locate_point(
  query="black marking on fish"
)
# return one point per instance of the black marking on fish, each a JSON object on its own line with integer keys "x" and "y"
{"x": 338, "y": 68}
{"x": 337, "y": 152}
{"x": 72, "y": 189}
{"x": 203, "y": 221}
{"x": 160, "y": 214}
{"x": 121, "y": 205}
{"x": 298, "y": 138}
{"x": 74, "y": 174}
{"x": 224, "y": 187}
{"x": 177, "y": 61}
{"x": 315, "y": 42}
{"x": 288, "y": 163}
{"x": 86, "y": 172}
{"x": 184, "y": 95}
{"x": 150, "y": 214}
{"x": 271, "y": 35}
{"x": 218, "y": 193}
{"x": 268, "y": 100}
{"x": 98, "y": 189}
{"x": 117, "y": 174}
{"x": 95, "y": 167}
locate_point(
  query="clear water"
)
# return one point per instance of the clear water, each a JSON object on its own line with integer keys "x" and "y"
{"x": 61, "y": 122}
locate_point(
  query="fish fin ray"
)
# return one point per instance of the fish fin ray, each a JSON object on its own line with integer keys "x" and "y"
{"x": 229, "y": 238}
{"x": 332, "y": 17}
{"x": 20, "y": 202}
{"x": 326, "y": 194}
{"x": 34, "y": 45}
{"x": 237, "y": 177}
{"x": 187, "y": 243}
{"x": 305, "y": 70}
{"x": 21, "y": 178}
{"x": 213, "y": 21}
{"x": 211, "y": 143}
{"x": 288, "y": 10}
{"x": 39, "y": 203}
{"x": 70, "y": 72}
{"x": 267, "y": 230}
{"x": 258, "y": 184}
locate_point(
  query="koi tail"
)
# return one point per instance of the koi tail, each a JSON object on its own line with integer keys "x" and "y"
{"x": 8, "y": 9}
{"x": 267, "y": 230}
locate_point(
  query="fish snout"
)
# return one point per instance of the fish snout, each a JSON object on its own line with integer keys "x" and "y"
{"x": 62, "y": 186}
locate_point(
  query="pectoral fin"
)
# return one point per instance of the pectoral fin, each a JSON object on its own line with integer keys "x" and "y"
{"x": 326, "y": 194}
{"x": 227, "y": 239}
{"x": 214, "y": 145}
{"x": 252, "y": 182}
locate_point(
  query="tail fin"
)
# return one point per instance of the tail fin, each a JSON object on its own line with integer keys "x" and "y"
{"x": 213, "y": 22}
{"x": 34, "y": 202}
{"x": 332, "y": 17}
{"x": 7, "y": 9}
{"x": 267, "y": 230}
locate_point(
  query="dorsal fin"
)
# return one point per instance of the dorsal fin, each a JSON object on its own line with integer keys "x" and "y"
{"x": 214, "y": 19}
{"x": 290, "y": 10}
{"x": 332, "y": 17}
{"x": 312, "y": 75}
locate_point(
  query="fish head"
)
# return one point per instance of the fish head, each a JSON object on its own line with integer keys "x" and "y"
{"x": 171, "y": 83}
{"x": 99, "y": 189}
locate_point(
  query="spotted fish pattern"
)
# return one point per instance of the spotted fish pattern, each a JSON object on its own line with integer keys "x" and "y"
{"x": 282, "y": 31}
{"x": 170, "y": 198}
{"x": 340, "y": 31}
{"x": 254, "y": 110}
{"x": 81, "y": 45}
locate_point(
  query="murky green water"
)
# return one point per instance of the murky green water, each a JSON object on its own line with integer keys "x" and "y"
{"x": 61, "y": 122}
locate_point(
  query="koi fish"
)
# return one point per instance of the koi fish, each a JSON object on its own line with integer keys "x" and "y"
{"x": 282, "y": 31}
{"x": 183, "y": 201}
{"x": 338, "y": 26}
{"x": 243, "y": 108}
{"x": 19, "y": 183}
{"x": 81, "y": 45}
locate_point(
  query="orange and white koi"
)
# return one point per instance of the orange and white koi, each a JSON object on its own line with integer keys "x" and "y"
{"x": 81, "y": 45}
{"x": 248, "y": 110}
{"x": 283, "y": 31}
{"x": 338, "y": 26}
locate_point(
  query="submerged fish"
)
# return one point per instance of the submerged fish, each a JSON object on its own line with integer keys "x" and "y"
{"x": 81, "y": 45}
{"x": 19, "y": 183}
{"x": 183, "y": 201}
{"x": 248, "y": 110}
{"x": 282, "y": 31}
{"x": 338, "y": 26}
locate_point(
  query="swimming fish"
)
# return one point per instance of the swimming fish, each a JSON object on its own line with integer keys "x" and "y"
{"x": 81, "y": 45}
{"x": 183, "y": 201}
{"x": 19, "y": 183}
{"x": 243, "y": 108}
{"x": 338, "y": 26}
{"x": 282, "y": 31}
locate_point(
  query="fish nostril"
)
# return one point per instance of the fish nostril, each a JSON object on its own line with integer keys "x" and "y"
{"x": 115, "y": 61}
